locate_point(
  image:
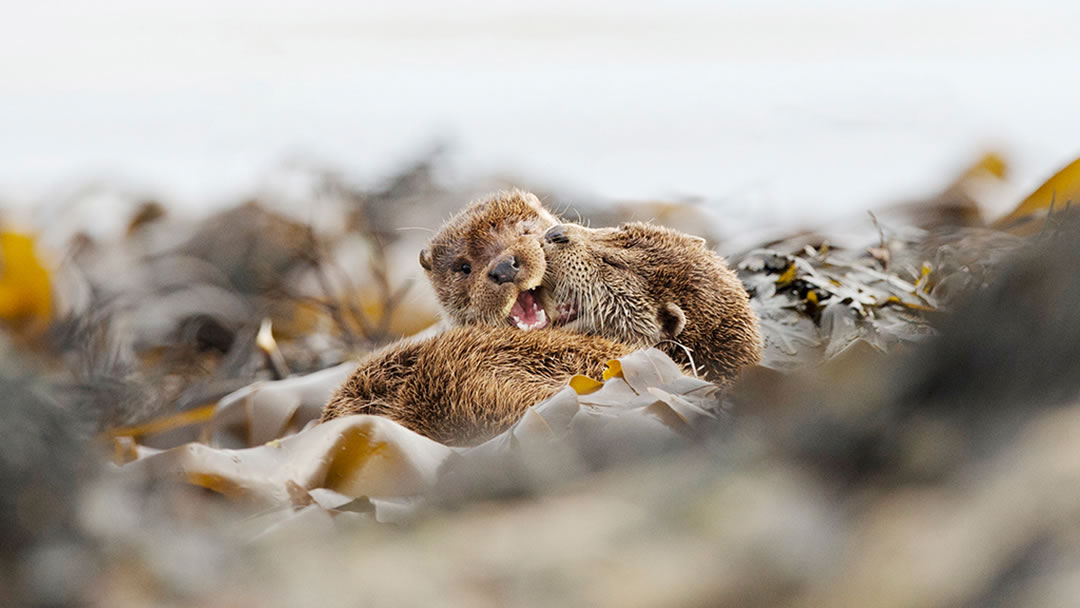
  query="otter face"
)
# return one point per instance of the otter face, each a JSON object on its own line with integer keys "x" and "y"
{"x": 602, "y": 281}
{"x": 486, "y": 263}
{"x": 646, "y": 285}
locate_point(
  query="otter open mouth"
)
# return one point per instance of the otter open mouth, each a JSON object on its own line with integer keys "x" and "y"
{"x": 565, "y": 313}
{"x": 527, "y": 313}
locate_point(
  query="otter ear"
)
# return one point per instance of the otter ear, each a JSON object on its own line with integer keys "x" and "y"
{"x": 672, "y": 320}
{"x": 425, "y": 259}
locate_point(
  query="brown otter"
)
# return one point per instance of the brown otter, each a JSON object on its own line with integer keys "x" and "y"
{"x": 468, "y": 384}
{"x": 485, "y": 263}
{"x": 505, "y": 260}
{"x": 645, "y": 285}
{"x": 637, "y": 284}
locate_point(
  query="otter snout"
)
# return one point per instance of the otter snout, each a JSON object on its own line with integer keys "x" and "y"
{"x": 505, "y": 270}
{"x": 557, "y": 234}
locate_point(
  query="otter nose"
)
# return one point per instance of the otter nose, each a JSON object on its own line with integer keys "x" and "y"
{"x": 504, "y": 271}
{"x": 556, "y": 234}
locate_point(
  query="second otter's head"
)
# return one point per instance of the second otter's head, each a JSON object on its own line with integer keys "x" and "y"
{"x": 606, "y": 281}
{"x": 641, "y": 285}
{"x": 486, "y": 262}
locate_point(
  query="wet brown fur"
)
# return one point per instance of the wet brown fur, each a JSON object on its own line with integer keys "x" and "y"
{"x": 645, "y": 285}
{"x": 486, "y": 232}
{"x": 469, "y": 383}
{"x": 635, "y": 286}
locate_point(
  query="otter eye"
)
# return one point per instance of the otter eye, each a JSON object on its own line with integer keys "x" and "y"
{"x": 462, "y": 266}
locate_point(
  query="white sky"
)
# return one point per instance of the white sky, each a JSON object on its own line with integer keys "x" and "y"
{"x": 786, "y": 106}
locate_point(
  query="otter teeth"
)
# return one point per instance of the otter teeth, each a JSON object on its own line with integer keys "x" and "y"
{"x": 539, "y": 323}
{"x": 527, "y": 314}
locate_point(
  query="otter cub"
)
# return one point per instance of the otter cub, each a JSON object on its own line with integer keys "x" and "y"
{"x": 506, "y": 261}
{"x": 468, "y": 384}
{"x": 646, "y": 285}
{"x": 486, "y": 262}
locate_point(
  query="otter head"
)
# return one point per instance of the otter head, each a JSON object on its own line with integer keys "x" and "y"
{"x": 644, "y": 285}
{"x": 486, "y": 263}
{"x": 612, "y": 281}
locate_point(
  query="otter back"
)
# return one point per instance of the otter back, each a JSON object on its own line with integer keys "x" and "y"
{"x": 468, "y": 384}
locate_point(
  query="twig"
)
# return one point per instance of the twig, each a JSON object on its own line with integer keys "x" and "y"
{"x": 269, "y": 348}
{"x": 316, "y": 260}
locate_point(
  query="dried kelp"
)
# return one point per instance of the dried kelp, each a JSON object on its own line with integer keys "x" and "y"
{"x": 887, "y": 449}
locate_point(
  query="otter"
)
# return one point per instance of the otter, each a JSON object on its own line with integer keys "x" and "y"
{"x": 469, "y": 383}
{"x": 486, "y": 262}
{"x": 507, "y": 261}
{"x": 645, "y": 285}
{"x": 583, "y": 295}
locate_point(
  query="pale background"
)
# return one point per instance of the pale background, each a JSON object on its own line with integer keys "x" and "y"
{"x": 780, "y": 109}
